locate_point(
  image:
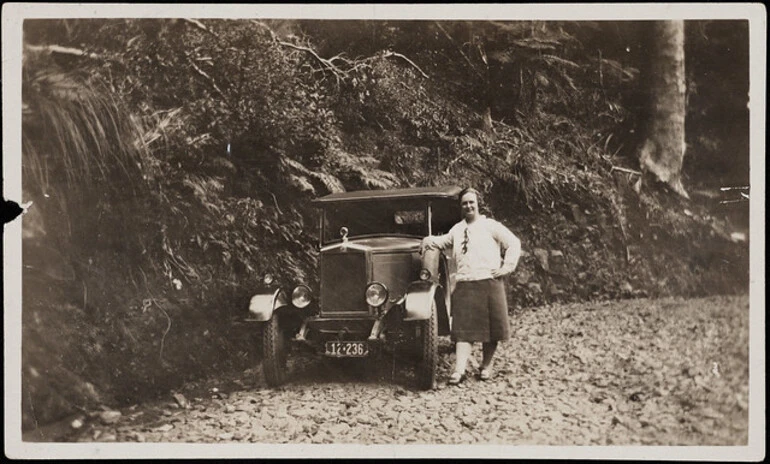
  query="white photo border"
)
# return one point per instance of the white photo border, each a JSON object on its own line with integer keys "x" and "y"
{"x": 14, "y": 14}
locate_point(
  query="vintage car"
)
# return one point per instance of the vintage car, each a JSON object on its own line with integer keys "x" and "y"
{"x": 375, "y": 286}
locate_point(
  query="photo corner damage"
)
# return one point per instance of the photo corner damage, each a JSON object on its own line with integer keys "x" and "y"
{"x": 11, "y": 210}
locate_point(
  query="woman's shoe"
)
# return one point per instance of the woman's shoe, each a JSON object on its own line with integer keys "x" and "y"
{"x": 456, "y": 378}
{"x": 485, "y": 374}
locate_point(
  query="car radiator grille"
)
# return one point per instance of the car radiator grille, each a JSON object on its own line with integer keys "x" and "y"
{"x": 343, "y": 282}
{"x": 395, "y": 271}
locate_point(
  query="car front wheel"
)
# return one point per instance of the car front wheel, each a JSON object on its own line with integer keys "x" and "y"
{"x": 275, "y": 352}
{"x": 428, "y": 341}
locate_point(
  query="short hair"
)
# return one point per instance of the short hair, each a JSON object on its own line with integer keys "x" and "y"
{"x": 469, "y": 190}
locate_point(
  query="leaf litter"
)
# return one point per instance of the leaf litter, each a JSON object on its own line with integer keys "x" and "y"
{"x": 629, "y": 372}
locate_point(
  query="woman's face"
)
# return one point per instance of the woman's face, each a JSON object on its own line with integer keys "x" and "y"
{"x": 470, "y": 206}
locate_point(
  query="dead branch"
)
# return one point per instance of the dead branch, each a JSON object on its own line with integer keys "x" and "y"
{"x": 327, "y": 64}
{"x": 390, "y": 53}
{"x": 619, "y": 213}
{"x": 340, "y": 57}
{"x": 338, "y": 73}
{"x": 32, "y": 407}
{"x": 629, "y": 171}
{"x": 168, "y": 327}
{"x": 358, "y": 66}
{"x": 146, "y": 303}
{"x": 460, "y": 49}
{"x": 275, "y": 200}
{"x": 62, "y": 50}
{"x": 266, "y": 27}
{"x": 199, "y": 25}
{"x": 449, "y": 165}
{"x": 203, "y": 74}
{"x": 507, "y": 142}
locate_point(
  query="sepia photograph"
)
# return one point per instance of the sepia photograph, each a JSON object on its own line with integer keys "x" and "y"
{"x": 501, "y": 231}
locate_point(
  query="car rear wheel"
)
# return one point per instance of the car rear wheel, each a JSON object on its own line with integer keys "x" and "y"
{"x": 428, "y": 345}
{"x": 275, "y": 352}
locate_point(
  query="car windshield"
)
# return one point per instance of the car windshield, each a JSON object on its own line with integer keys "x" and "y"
{"x": 364, "y": 218}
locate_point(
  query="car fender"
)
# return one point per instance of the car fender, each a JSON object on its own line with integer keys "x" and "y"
{"x": 419, "y": 298}
{"x": 263, "y": 304}
{"x": 430, "y": 261}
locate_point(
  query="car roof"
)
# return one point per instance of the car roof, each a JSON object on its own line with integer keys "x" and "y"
{"x": 446, "y": 192}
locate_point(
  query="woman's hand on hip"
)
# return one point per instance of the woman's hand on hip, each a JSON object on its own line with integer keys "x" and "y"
{"x": 501, "y": 272}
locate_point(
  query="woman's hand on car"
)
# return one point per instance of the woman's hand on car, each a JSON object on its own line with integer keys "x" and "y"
{"x": 427, "y": 244}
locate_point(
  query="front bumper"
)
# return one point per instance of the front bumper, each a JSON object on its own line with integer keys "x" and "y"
{"x": 317, "y": 330}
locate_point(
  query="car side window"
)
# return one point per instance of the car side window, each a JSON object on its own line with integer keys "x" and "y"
{"x": 409, "y": 222}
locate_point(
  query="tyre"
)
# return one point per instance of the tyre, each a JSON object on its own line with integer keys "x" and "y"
{"x": 428, "y": 346}
{"x": 275, "y": 352}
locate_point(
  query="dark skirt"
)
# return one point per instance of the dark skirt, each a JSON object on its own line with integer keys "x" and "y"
{"x": 480, "y": 311}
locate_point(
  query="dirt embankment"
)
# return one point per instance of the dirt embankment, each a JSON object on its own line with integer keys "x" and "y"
{"x": 662, "y": 372}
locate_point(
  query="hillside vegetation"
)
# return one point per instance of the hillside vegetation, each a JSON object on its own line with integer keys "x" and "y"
{"x": 171, "y": 164}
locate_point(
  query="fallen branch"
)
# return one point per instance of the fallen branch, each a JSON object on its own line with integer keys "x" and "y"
{"x": 460, "y": 49}
{"x": 629, "y": 171}
{"x": 507, "y": 142}
{"x": 328, "y": 64}
{"x": 32, "y": 408}
{"x": 619, "y": 213}
{"x": 340, "y": 57}
{"x": 705, "y": 193}
{"x": 266, "y": 27}
{"x": 338, "y": 73}
{"x": 449, "y": 165}
{"x": 146, "y": 305}
{"x": 203, "y": 74}
{"x": 168, "y": 327}
{"x": 62, "y": 50}
{"x": 199, "y": 25}
{"x": 185, "y": 269}
{"x": 275, "y": 200}
{"x": 390, "y": 53}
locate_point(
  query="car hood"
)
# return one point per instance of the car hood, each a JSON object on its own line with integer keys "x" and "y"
{"x": 376, "y": 244}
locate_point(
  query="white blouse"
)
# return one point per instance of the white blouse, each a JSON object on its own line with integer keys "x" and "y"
{"x": 477, "y": 248}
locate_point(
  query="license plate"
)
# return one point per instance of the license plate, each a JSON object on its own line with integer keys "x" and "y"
{"x": 347, "y": 349}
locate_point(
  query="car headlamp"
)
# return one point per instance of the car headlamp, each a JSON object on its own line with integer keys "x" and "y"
{"x": 424, "y": 274}
{"x": 300, "y": 296}
{"x": 268, "y": 279}
{"x": 376, "y": 294}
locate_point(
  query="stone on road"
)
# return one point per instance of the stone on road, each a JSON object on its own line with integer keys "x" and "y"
{"x": 630, "y": 372}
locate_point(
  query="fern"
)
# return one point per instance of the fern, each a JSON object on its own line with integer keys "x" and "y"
{"x": 73, "y": 127}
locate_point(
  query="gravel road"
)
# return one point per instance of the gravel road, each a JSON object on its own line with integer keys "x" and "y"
{"x": 663, "y": 372}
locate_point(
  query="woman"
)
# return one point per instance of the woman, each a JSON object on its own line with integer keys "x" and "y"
{"x": 479, "y": 307}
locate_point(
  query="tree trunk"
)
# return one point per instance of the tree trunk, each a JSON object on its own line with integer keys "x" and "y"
{"x": 486, "y": 122}
{"x": 663, "y": 149}
{"x": 477, "y": 40}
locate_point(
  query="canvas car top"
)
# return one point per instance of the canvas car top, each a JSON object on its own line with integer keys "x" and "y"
{"x": 391, "y": 194}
